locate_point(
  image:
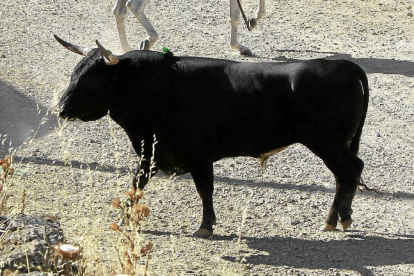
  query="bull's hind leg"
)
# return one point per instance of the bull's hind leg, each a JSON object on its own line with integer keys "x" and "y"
{"x": 347, "y": 168}
{"x": 120, "y": 11}
{"x": 260, "y": 13}
{"x": 235, "y": 18}
{"x": 137, "y": 8}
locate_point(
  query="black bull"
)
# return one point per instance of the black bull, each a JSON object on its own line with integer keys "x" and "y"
{"x": 202, "y": 110}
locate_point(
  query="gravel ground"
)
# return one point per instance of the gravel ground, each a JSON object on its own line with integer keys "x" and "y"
{"x": 75, "y": 171}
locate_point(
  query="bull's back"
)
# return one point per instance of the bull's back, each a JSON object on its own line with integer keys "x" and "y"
{"x": 251, "y": 108}
{"x": 239, "y": 107}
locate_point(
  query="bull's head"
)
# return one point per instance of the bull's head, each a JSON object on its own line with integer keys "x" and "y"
{"x": 91, "y": 86}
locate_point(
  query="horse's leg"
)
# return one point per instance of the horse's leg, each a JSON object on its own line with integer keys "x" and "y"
{"x": 235, "y": 18}
{"x": 137, "y": 8}
{"x": 260, "y": 13}
{"x": 120, "y": 11}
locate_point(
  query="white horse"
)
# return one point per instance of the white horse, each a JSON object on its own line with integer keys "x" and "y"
{"x": 137, "y": 8}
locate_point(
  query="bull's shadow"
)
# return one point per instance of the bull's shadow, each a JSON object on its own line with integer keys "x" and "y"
{"x": 303, "y": 187}
{"x": 370, "y": 65}
{"x": 21, "y": 118}
{"x": 356, "y": 253}
{"x": 225, "y": 180}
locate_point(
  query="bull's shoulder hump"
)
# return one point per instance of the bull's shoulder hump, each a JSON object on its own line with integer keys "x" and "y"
{"x": 205, "y": 62}
{"x": 149, "y": 56}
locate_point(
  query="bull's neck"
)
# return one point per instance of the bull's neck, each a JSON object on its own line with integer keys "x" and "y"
{"x": 131, "y": 116}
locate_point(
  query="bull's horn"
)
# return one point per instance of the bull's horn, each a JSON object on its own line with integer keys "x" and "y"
{"x": 110, "y": 58}
{"x": 74, "y": 48}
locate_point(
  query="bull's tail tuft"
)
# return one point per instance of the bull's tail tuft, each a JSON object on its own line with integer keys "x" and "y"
{"x": 363, "y": 187}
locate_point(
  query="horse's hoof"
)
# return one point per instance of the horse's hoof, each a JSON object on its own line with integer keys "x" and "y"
{"x": 345, "y": 224}
{"x": 203, "y": 233}
{"x": 328, "y": 227}
{"x": 145, "y": 45}
{"x": 246, "y": 52}
{"x": 252, "y": 23}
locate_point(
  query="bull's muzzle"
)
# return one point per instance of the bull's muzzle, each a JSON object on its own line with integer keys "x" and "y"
{"x": 63, "y": 114}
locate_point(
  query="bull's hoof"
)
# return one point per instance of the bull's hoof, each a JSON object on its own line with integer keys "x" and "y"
{"x": 252, "y": 23}
{"x": 145, "y": 45}
{"x": 246, "y": 52}
{"x": 203, "y": 233}
{"x": 328, "y": 227}
{"x": 345, "y": 224}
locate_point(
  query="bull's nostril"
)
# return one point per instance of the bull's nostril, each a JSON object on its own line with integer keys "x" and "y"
{"x": 63, "y": 114}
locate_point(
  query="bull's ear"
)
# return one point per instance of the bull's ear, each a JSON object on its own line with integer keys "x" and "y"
{"x": 74, "y": 48}
{"x": 110, "y": 59}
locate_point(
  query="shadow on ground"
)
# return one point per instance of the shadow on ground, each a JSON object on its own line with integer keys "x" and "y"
{"x": 225, "y": 180}
{"x": 72, "y": 163}
{"x": 356, "y": 253}
{"x": 370, "y": 65}
{"x": 308, "y": 188}
{"x": 20, "y": 118}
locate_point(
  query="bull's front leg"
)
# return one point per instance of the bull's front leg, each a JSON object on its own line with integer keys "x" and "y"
{"x": 260, "y": 13}
{"x": 137, "y": 8}
{"x": 145, "y": 170}
{"x": 120, "y": 11}
{"x": 143, "y": 174}
{"x": 235, "y": 18}
{"x": 204, "y": 180}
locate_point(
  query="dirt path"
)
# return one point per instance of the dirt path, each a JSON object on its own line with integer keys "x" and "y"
{"x": 284, "y": 206}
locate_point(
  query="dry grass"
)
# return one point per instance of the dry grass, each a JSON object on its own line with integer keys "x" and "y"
{"x": 82, "y": 259}
{"x": 131, "y": 249}
{"x": 6, "y": 170}
{"x": 133, "y": 253}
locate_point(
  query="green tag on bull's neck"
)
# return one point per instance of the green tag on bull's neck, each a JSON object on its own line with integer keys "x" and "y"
{"x": 166, "y": 52}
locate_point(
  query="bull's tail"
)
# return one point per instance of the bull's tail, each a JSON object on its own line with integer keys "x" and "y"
{"x": 354, "y": 146}
{"x": 362, "y": 77}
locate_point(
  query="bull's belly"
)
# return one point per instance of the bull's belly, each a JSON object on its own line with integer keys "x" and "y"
{"x": 177, "y": 164}
{"x": 255, "y": 143}
{"x": 172, "y": 171}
